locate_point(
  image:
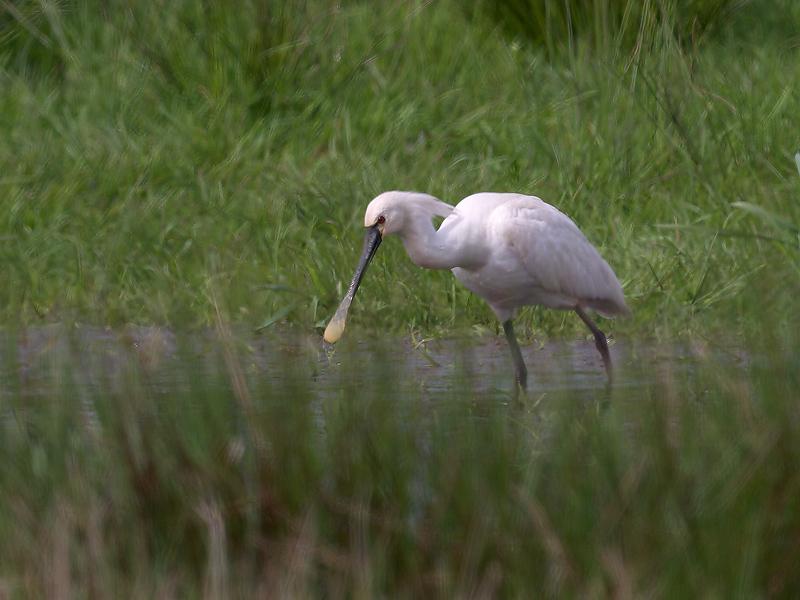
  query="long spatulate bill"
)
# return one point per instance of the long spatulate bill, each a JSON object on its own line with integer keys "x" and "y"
{"x": 335, "y": 327}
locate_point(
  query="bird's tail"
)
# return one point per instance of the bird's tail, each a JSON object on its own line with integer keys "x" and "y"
{"x": 608, "y": 307}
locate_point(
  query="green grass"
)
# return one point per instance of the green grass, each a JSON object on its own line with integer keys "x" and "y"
{"x": 193, "y": 166}
{"x": 158, "y": 160}
{"x": 610, "y": 26}
{"x": 173, "y": 477}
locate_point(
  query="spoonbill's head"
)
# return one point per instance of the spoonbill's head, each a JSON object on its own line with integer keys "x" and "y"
{"x": 391, "y": 212}
{"x": 387, "y": 213}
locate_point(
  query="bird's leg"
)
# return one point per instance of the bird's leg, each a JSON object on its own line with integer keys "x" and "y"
{"x": 600, "y": 340}
{"x": 520, "y": 372}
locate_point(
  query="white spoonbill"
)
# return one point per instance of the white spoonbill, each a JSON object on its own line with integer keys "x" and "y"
{"x": 510, "y": 249}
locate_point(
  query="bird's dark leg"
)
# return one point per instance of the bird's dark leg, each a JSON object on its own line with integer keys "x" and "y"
{"x": 599, "y": 340}
{"x": 520, "y": 372}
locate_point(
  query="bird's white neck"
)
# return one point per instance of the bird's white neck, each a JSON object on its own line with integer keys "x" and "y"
{"x": 426, "y": 246}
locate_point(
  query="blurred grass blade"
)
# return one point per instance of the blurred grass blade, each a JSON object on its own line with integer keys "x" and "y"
{"x": 766, "y": 216}
{"x": 277, "y": 316}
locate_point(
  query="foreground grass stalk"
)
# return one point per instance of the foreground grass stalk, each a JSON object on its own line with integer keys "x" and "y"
{"x": 684, "y": 482}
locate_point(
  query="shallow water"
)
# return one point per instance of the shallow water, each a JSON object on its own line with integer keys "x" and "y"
{"x": 38, "y": 360}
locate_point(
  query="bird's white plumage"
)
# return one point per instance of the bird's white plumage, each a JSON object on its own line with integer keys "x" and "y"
{"x": 511, "y": 249}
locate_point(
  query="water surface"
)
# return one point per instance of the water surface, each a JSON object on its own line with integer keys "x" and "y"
{"x": 38, "y": 360}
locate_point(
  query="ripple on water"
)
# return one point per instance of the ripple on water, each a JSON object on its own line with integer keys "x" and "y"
{"x": 38, "y": 360}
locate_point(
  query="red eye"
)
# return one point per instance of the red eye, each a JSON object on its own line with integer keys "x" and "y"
{"x": 381, "y": 220}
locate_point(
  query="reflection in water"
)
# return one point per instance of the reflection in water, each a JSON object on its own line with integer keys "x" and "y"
{"x": 41, "y": 359}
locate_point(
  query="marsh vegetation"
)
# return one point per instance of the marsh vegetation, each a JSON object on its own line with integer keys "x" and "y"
{"x": 175, "y": 176}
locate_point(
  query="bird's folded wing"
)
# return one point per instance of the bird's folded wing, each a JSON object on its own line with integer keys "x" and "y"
{"x": 556, "y": 255}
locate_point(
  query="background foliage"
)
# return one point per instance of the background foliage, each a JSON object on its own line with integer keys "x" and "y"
{"x": 153, "y": 153}
{"x": 198, "y": 164}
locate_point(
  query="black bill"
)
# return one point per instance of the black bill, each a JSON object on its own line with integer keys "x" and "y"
{"x": 335, "y": 328}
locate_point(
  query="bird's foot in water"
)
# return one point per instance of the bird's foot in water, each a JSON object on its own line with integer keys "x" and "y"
{"x": 520, "y": 387}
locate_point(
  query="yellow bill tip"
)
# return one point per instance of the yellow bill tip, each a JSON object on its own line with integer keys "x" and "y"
{"x": 334, "y": 331}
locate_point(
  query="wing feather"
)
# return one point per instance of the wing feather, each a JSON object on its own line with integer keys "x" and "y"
{"x": 555, "y": 254}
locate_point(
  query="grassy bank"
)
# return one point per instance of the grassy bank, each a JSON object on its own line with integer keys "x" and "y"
{"x": 156, "y": 160}
{"x": 178, "y": 477}
{"x": 189, "y": 165}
